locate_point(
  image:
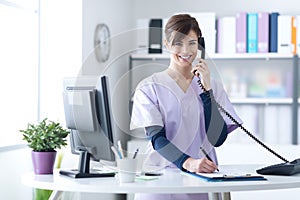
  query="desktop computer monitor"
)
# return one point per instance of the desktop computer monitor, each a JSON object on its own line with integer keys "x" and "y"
{"x": 88, "y": 116}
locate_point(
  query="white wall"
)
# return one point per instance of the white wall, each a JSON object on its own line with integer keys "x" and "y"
{"x": 118, "y": 15}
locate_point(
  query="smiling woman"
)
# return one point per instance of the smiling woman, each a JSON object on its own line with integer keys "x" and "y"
{"x": 176, "y": 114}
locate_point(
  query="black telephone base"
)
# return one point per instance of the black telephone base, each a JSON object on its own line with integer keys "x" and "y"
{"x": 287, "y": 169}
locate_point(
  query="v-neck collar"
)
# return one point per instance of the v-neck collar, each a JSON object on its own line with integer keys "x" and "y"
{"x": 182, "y": 84}
{"x": 176, "y": 88}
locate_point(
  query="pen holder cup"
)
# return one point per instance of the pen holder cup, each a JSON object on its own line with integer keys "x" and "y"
{"x": 127, "y": 168}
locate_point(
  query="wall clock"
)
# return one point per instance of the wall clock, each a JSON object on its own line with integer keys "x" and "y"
{"x": 102, "y": 42}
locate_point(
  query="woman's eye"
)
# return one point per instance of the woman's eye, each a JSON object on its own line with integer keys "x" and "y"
{"x": 193, "y": 43}
{"x": 178, "y": 44}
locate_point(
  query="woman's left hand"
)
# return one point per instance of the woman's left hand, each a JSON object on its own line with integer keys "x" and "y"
{"x": 201, "y": 69}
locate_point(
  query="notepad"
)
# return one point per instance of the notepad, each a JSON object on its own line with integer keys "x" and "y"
{"x": 146, "y": 178}
{"x": 227, "y": 176}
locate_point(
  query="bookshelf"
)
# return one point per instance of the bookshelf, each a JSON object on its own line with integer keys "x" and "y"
{"x": 139, "y": 56}
{"x": 248, "y": 65}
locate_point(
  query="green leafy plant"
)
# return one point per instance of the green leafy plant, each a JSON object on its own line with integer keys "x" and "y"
{"x": 45, "y": 136}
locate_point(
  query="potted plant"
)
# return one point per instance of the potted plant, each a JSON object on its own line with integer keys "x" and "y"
{"x": 44, "y": 138}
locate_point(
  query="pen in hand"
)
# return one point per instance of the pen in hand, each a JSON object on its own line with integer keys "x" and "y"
{"x": 206, "y": 155}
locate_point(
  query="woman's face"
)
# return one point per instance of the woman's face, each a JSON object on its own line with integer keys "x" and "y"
{"x": 183, "y": 52}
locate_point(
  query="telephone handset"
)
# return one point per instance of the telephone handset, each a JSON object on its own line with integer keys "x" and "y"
{"x": 201, "y": 46}
{"x": 286, "y": 168}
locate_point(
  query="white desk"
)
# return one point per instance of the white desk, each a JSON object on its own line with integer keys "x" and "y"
{"x": 172, "y": 181}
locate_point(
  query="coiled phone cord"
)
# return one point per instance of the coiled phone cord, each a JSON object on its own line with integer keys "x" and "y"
{"x": 240, "y": 125}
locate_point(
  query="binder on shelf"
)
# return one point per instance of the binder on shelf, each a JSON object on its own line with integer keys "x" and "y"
{"x": 284, "y": 34}
{"x": 241, "y": 32}
{"x": 298, "y": 34}
{"x": 226, "y": 35}
{"x": 273, "y": 28}
{"x": 263, "y": 32}
{"x": 294, "y": 36}
{"x": 222, "y": 177}
{"x": 142, "y": 38}
{"x": 252, "y": 36}
{"x": 155, "y": 36}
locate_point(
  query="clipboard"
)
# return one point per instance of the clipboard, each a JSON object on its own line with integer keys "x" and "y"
{"x": 221, "y": 177}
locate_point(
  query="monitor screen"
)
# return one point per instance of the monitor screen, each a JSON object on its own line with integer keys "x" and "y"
{"x": 88, "y": 116}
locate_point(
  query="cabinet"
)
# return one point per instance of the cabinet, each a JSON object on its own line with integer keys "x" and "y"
{"x": 264, "y": 84}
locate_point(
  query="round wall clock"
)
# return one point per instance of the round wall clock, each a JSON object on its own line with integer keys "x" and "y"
{"x": 102, "y": 42}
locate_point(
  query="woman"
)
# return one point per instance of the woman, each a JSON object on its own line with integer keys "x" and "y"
{"x": 176, "y": 113}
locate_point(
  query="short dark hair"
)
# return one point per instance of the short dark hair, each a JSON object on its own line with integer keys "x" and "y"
{"x": 178, "y": 26}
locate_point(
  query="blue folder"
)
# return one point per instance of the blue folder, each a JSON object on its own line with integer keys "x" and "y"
{"x": 228, "y": 178}
{"x": 252, "y": 32}
{"x": 273, "y": 26}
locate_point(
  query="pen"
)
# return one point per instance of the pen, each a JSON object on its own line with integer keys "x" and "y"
{"x": 206, "y": 155}
{"x": 135, "y": 153}
{"x": 116, "y": 152}
{"x": 120, "y": 148}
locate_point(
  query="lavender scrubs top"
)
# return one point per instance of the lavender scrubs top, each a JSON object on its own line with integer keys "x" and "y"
{"x": 159, "y": 101}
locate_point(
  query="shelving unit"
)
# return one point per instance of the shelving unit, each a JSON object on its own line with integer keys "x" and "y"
{"x": 265, "y": 56}
{"x": 263, "y": 59}
{"x": 266, "y": 101}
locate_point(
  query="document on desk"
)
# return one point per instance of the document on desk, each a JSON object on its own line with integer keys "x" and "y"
{"x": 227, "y": 176}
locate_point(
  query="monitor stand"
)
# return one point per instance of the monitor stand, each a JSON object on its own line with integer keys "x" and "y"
{"x": 83, "y": 170}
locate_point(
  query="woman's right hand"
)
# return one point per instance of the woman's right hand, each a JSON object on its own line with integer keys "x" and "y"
{"x": 201, "y": 69}
{"x": 202, "y": 165}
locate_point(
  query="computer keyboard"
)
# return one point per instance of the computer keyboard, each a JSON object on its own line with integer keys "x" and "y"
{"x": 74, "y": 173}
{"x": 287, "y": 169}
